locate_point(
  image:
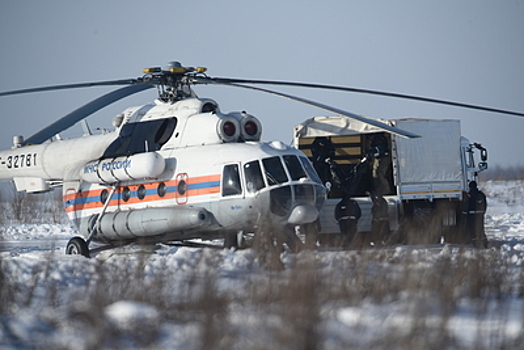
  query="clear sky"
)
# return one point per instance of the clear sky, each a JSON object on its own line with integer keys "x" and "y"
{"x": 467, "y": 51}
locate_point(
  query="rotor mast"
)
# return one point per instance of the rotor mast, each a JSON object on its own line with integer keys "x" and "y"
{"x": 173, "y": 81}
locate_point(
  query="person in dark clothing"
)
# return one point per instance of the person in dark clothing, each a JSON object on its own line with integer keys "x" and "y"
{"x": 379, "y": 152}
{"x": 380, "y": 219}
{"x": 474, "y": 208}
{"x": 347, "y": 213}
{"x": 323, "y": 152}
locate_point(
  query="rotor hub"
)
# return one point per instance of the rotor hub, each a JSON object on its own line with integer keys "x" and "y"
{"x": 173, "y": 81}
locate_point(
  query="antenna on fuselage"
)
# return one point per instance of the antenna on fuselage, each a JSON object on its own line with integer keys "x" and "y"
{"x": 85, "y": 127}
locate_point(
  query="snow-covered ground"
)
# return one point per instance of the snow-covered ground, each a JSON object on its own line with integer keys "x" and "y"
{"x": 192, "y": 298}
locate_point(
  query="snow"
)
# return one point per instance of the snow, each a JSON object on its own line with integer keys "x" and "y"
{"x": 127, "y": 313}
{"x": 444, "y": 296}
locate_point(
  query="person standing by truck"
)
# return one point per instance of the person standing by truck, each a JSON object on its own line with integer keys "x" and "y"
{"x": 379, "y": 152}
{"x": 347, "y": 213}
{"x": 474, "y": 209}
{"x": 323, "y": 153}
{"x": 380, "y": 220}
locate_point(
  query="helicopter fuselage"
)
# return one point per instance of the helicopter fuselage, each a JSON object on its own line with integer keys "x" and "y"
{"x": 202, "y": 193}
{"x": 172, "y": 171}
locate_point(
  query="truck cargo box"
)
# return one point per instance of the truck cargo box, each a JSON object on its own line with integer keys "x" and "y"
{"x": 428, "y": 167}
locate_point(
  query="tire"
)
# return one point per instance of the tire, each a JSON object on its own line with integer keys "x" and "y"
{"x": 311, "y": 235}
{"x": 230, "y": 241}
{"x": 292, "y": 241}
{"x": 77, "y": 246}
{"x": 311, "y": 231}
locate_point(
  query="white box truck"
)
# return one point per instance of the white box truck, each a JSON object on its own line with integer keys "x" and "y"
{"x": 427, "y": 177}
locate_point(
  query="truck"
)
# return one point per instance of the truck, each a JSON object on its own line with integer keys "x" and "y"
{"x": 427, "y": 177}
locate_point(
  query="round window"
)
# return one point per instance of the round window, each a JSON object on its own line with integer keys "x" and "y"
{"x": 161, "y": 190}
{"x": 126, "y": 194}
{"x": 141, "y": 192}
{"x": 103, "y": 196}
{"x": 182, "y": 187}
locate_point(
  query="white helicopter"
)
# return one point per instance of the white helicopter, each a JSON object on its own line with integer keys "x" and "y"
{"x": 175, "y": 169}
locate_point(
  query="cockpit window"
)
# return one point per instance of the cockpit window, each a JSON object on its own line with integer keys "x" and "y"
{"x": 294, "y": 167}
{"x": 231, "y": 181}
{"x": 254, "y": 179}
{"x": 141, "y": 137}
{"x": 274, "y": 171}
{"x": 165, "y": 131}
{"x": 312, "y": 173}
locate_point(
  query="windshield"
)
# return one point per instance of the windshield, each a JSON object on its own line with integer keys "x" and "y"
{"x": 312, "y": 173}
{"x": 274, "y": 170}
{"x": 297, "y": 167}
{"x": 294, "y": 167}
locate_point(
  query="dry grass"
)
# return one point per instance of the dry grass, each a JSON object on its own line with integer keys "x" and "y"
{"x": 21, "y": 207}
{"x": 289, "y": 309}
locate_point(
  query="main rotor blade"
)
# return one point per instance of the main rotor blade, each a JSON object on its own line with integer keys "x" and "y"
{"x": 362, "y": 119}
{"x": 366, "y": 91}
{"x": 84, "y": 111}
{"x": 71, "y": 86}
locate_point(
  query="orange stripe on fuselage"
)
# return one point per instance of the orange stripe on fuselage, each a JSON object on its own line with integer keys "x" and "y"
{"x": 196, "y": 186}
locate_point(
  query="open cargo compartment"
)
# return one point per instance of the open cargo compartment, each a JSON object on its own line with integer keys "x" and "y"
{"x": 421, "y": 171}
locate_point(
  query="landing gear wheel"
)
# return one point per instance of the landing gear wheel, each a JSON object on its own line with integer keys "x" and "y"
{"x": 234, "y": 240}
{"x": 292, "y": 241}
{"x": 311, "y": 234}
{"x": 77, "y": 246}
{"x": 231, "y": 241}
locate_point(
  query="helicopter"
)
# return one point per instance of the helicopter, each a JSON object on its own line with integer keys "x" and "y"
{"x": 176, "y": 169}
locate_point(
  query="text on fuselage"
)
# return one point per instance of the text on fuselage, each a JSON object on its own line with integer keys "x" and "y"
{"x": 108, "y": 166}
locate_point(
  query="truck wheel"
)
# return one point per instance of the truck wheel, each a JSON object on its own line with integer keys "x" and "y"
{"x": 457, "y": 235}
{"x": 422, "y": 229}
{"x": 77, "y": 246}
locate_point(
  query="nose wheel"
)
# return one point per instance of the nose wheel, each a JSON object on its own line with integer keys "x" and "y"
{"x": 77, "y": 246}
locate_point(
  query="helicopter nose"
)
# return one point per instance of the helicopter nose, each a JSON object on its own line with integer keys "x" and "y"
{"x": 303, "y": 214}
